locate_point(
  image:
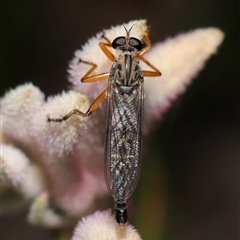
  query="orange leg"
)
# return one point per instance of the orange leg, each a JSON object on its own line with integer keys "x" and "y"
{"x": 102, "y": 76}
{"x": 104, "y": 46}
{"x": 147, "y": 73}
{"x": 148, "y": 44}
{"x": 94, "y": 78}
{"x": 75, "y": 111}
{"x": 88, "y": 78}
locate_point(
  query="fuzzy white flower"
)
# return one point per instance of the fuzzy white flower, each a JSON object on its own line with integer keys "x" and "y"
{"x": 180, "y": 59}
{"x": 102, "y": 226}
{"x": 13, "y": 165}
{"x": 20, "y": 179}
{"x": 51, "y": 145}
{"x": 70, "y": 154}
{"x": 61, "y": 137}
{"x": 19, "y": 173}
{"x": 18, "y": 106}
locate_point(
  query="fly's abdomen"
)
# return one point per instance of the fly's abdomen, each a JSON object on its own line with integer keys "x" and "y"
{"x": 124, "y": 160}
{"x": 123, "y": 144}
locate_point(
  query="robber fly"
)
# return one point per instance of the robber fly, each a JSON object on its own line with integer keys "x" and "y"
{"x": 124, "y": 121}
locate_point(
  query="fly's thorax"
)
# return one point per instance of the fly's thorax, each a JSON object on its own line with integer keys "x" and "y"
{"x": 127, "y": 74}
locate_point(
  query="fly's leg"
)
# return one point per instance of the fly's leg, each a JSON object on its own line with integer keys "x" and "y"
{"x": 87, "y": 77}
{"x": 102, "y": 76}
{"x": 148, "y": 44}
{"x": 75, "y": 111}
{"x": 94, "y": 78}
{"x": 104, "y": 46}
{"x": 109, "y": 44}
{"x": 147, "y": 73}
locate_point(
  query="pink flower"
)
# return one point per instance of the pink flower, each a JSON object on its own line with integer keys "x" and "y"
{"x": 101, "y": 226}
{"x": 65, "y": 160}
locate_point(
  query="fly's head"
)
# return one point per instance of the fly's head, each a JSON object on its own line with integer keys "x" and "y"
{"x": 127, "y": 74}
{"x": 127, "y": 43}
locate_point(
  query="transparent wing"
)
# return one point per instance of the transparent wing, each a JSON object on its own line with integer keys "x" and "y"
{"x": 123, "y": 141}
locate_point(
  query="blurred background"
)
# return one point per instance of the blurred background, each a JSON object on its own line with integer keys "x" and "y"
{"x": 189, "y": 185}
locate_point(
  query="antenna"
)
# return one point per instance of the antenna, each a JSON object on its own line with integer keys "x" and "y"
{"x": 128, "y": 31}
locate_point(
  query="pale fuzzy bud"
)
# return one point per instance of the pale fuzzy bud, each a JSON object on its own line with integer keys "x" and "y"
{"x": 69, "y": 180}
{"x": 179, "y": 59}
{"x": 58, "y": 138}
{"x": 76, "y": 181}
{"x": 51, "y": 144}
{"x": 34, "y": 183}
{"x": 102, "y": 226}
{"x": 18, "y": 106}
{"x": 14, "y": 165}
{"x": 42, "y": 214}
{"x": 19, "y": 173}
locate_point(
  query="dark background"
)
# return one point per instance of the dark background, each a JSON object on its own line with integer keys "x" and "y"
{"x": 189, "y": 186}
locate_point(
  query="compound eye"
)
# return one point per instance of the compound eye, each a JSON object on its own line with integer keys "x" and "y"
{"x": 118, "y": 42}
{"x": 136, "y": 43}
